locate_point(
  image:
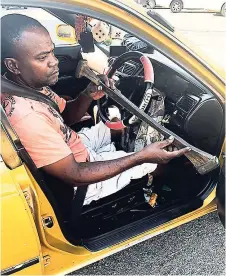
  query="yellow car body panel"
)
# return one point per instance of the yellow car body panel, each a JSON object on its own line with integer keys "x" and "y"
{"x": 19, "y": 237}
{"x": 62, "y": 256}
{"x": 65, "y": 257}
{"x": 23, "y": 217}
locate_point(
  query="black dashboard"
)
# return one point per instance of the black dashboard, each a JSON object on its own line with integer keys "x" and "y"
{"x": 191, "y": 110}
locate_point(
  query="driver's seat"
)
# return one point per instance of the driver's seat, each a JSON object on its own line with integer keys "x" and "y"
{"x": 67, "y": 207}
{"x": 57, "y": 192}
{"x": 73, "y": 203}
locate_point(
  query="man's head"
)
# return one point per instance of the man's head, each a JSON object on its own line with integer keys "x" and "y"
{"x": 27, "y": 51}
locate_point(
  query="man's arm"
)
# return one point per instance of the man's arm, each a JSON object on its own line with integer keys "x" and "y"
{"x": 76, "y": 109}
{"x": 78, "y": 174}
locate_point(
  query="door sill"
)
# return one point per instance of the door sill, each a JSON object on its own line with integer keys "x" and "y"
{"x": 136, "y": 228}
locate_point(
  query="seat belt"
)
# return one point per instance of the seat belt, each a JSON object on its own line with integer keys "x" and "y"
{"x": 14, "y": 89}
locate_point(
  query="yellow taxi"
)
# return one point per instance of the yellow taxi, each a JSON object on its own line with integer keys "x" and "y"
{"x": 38, "y": 236}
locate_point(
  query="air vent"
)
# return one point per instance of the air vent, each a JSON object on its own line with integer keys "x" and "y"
{"x": 186, "y": 103}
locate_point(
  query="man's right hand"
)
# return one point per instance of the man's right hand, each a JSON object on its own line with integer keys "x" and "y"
{"x": 158, "y": 153}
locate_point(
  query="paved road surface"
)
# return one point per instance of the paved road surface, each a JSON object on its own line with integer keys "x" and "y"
{"x": 196, "y": 248}
{"x": 206, "y": 30}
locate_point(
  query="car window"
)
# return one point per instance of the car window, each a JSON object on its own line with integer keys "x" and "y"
{"x": 49, "y": 21}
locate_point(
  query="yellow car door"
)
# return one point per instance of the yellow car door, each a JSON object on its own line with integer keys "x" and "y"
{"x": 20, "y": 245}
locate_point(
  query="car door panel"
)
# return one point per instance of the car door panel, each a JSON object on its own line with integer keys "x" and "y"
{"x": 163, "y": 3}
{"x": 68, "y": 56}
{"x": 68, "y": 85}
{"x": 203, "y": 4}
{"x": 14, "y": 216}
{"x": 192, "y": 4}
{"x": 20, "y": 245}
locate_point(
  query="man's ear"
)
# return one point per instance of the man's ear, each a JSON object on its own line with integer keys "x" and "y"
{"x": 12, "y": 65}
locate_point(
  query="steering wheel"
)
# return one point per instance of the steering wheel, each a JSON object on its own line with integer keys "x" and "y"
{"x": 103, "y": 103}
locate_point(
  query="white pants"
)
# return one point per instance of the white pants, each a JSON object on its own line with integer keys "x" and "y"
{"x": 97, "y": 140}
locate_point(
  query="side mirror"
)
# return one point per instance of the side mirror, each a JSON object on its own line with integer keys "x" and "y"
{"x": 66, "y": 33}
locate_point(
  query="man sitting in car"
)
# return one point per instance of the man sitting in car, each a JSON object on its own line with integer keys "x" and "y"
{"x": 87, "y": 157}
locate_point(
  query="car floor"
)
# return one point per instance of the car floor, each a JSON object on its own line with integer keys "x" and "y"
{"x": 174, "y": 183}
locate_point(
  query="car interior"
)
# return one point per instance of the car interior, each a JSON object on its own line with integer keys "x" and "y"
{"x": 190, "y": 110}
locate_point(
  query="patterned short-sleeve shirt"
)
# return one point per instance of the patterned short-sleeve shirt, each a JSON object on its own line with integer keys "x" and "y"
{"x": 42, "y": 130}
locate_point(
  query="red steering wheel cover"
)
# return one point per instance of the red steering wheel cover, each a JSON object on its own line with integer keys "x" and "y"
{"x": 148, "y": 69}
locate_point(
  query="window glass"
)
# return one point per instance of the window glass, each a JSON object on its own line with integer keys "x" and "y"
{"x": 50, "y": 22}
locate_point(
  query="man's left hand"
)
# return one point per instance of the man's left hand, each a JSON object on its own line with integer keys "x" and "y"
{"x": 95, "y": 93}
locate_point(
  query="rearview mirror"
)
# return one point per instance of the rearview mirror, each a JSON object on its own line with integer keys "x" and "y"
{"x": 66, "y": 33}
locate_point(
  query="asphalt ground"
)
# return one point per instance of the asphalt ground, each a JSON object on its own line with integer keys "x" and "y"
{"x": 205, "y": 30}
{"x": 196, "y": 248}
